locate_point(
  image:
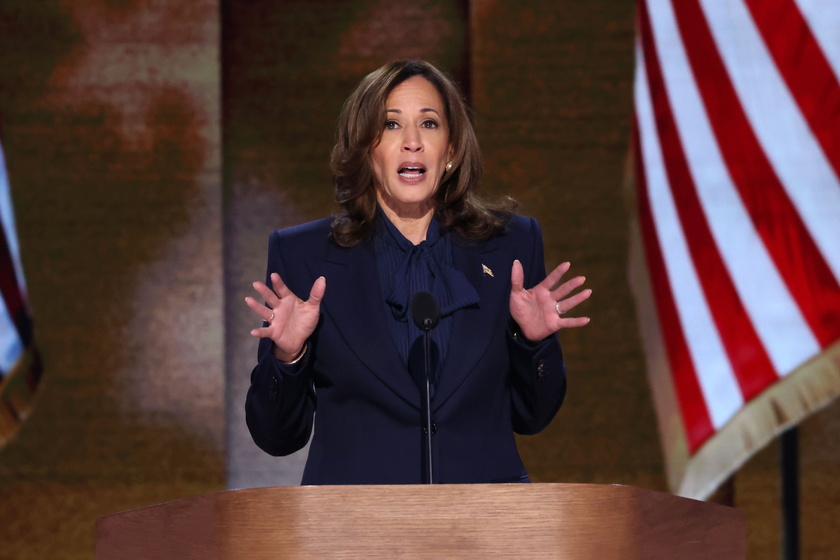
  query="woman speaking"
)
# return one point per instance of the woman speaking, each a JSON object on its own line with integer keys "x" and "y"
{"x": 340, "y": 354}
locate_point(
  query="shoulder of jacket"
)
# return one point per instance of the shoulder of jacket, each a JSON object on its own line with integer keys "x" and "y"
{"x": 521, "y": 225}
{"x": 521, "y": 222}
{"x": 317, "y": 230}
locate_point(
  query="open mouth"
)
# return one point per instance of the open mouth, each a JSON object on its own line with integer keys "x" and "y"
{"x": 411, "y": 171}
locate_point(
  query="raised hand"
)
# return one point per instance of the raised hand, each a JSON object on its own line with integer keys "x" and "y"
{"x": 541, "y": 311}
{"x": 290, "y": 319}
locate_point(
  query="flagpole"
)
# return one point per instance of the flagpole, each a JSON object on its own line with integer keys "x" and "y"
{"x": 789, "y": 466}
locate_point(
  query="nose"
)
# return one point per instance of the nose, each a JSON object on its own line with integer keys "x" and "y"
{"x": 412, "y": 141}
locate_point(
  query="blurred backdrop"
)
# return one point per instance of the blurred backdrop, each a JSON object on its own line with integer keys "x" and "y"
{"x": 152, "y": 145}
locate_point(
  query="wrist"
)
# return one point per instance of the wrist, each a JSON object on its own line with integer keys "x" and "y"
{"x": 516, "y": 333}
{"x": 290, "y": 359}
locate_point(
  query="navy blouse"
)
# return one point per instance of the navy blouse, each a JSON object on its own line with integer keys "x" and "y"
{"x": 405, "y": 269}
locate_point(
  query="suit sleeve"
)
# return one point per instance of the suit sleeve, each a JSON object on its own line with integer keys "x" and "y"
{"x": 280, "y": 405}
{"x": 538, "y": 374}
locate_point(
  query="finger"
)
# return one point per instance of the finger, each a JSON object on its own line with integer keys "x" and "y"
{"x": 517, "y": 277}
{"x": 555, "y": 275}
{"x": 279, "y": 286}
{"x": 267, "y": 294}
{"x": 570, "y": 303}
{"x": 573, "y": 322}
{"x": 264, "y": 312}
{"x": 568, "y": 287}
{"x": 261, "y": 332}
{"x": 316, "y": 294}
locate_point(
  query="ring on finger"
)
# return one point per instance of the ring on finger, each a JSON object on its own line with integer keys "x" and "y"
{"x": 270, "y": 319}
{"x": 560, "y": 312}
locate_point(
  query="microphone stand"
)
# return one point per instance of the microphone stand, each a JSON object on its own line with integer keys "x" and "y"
{"x": 427, "y": 327}
{"x": 426, "y": 314}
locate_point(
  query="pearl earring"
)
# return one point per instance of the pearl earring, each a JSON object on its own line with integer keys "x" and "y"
{"x": 449, "y": 166}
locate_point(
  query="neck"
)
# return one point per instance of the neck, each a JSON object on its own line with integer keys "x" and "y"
{"x": 412, "y": 222}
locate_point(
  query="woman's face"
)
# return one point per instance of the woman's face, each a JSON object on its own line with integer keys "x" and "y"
{"x": 410, "y": 159}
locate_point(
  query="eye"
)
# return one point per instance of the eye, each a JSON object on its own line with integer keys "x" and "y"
{"x": 391, "y": 125}
{"x": 429, "y": 123}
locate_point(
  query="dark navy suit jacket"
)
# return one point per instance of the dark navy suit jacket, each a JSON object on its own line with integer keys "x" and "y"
{"x": 365, "y": 405}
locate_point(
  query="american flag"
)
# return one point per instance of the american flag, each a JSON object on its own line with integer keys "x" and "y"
{"x": 736, "y": 258}
{"x": 20, "y": 368}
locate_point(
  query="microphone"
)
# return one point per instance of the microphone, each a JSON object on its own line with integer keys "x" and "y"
{"x": 425, "y": 311}
{"x": 426, "y": 314}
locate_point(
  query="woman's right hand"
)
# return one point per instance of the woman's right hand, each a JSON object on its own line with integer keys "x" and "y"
{"x": 290, "y": 319}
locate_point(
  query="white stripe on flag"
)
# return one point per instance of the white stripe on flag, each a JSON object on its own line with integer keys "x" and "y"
{"x": 780, "y": 326}
{"x": 715, "y": 375}
{"x": 790, "y": 146}
{"x": 822, "y": 17}
{"x": 11, "y": 346}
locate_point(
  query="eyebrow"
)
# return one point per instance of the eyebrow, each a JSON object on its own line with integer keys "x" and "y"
{"x": 423, "y": 110}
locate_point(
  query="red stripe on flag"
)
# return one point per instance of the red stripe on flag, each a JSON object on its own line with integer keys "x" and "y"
{"x": 750, "y": 361}
{"x": 695, "y": 414}
{"x": 9, "y": 289}
{"x": 791, "y": 247}
{"x": 805, "y": 69}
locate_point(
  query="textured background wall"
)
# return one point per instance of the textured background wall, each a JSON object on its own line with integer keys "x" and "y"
{"x": 552, "y": 92}
{"x": 110, "y": 114}
{"x": 139, "y": 250}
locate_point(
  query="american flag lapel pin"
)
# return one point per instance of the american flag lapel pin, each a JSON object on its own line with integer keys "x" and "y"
{"x": 487, "y": 271}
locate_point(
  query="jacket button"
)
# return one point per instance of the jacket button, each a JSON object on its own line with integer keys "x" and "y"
{"x": 434, "y": 429}
{"x": 541, "y": 369}
{"x": 275, "y": 389}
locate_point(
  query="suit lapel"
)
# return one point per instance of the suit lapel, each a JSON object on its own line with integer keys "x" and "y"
{"x": 353, "y": 302}
{"x": 487, "y": 267}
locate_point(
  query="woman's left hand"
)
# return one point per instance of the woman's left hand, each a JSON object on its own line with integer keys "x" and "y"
{"x": 541, "y": 311}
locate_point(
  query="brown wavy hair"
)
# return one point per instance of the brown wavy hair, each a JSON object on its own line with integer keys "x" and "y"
{"x": 360, "y": 128}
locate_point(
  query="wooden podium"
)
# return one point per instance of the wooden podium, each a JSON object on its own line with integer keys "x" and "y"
{"x": 574, "y": 521}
